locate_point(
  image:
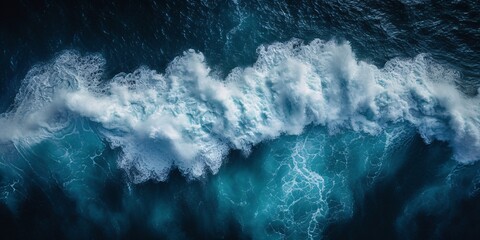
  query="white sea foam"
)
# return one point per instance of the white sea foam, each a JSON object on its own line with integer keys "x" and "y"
{"x": 187, "y": 118}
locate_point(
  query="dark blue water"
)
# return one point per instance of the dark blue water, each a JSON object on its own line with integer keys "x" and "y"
{"x": 240, "y": 119}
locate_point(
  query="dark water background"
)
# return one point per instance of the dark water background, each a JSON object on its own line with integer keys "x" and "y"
{"x": 134, "y": 33}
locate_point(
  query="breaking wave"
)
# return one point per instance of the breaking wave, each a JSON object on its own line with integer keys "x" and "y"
{"x": 189, "y": 118}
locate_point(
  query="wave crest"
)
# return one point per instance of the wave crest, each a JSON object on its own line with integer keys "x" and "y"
{"x": 188, "y": 118}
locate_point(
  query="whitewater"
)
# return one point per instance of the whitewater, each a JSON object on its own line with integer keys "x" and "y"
{"x": 189, "y": 118}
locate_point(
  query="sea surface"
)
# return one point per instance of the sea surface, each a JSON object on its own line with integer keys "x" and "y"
{"x": 238, "y": 119}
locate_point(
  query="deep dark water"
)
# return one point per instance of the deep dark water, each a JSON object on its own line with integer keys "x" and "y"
{"x": 133, "y": 33}
{"x": 73, "y": 187}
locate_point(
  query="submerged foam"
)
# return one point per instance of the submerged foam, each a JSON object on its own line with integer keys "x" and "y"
{"x": 188, "y": 118}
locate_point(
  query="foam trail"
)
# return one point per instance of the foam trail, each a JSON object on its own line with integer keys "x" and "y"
{"x": 188, "y": 118}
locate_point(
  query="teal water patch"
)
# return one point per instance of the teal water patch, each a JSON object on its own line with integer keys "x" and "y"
{"x": 298, "y": 185}
{"x": 291, "y": 187}
{"x": 288, "y": 188}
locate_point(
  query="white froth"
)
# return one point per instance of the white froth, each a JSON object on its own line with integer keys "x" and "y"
{"x": 189, "y": 119}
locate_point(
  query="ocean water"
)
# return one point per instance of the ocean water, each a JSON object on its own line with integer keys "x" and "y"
{"x": 240, "y": 119}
